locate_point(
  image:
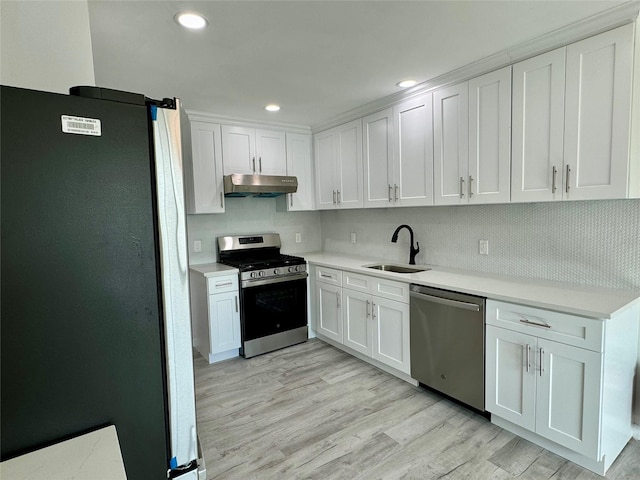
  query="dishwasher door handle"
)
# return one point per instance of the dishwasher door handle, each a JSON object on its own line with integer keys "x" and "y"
{"x": 445, "y": 301}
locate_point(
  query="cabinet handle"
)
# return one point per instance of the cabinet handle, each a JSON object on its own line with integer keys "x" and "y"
{"x": 337, "y": 299}
{"x": 223, "y": 284}
{"x": 395, "y": 186}
{"x": 529, "y": 322}
{"x": 325, "y": 276}
{"x": 254, "y": 164}
{"x": 528, "y": 347}
{"x": 222, "y": 199}
{"x": 373, "y": 310}
{"x": 338, "y": 196}
{"x": 461, "y": 187}
{"x": 470, "y": 186}
{"x": 390, "y": 197}
{"x": 541, "y": 357}
{"x": 291, "y": 199}
{"x": 260, "y": 163}
{"x": 236, "y": 303}
{"x": 568, "y": 173}
{"x": 334, "y": 197}
{"x": 554, "y": 171}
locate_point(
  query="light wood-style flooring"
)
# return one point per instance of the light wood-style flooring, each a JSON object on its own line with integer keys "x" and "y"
{"x": 312, "y": 411}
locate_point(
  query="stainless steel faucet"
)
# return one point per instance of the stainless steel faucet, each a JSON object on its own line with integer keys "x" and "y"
{"x": 412, "y": 251}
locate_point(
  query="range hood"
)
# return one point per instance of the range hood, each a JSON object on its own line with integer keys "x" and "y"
{"x": 240, "y": 185}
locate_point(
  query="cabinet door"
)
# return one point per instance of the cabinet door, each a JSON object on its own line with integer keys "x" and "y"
{"x": 349, "y": 165}
{"x": 224, "y": 322}
{"x": 568, "y": 397}
{"x": 511, "y": 376}
{"x": 271, "y": 152}
{"x": 238, "y": 149}
{"x": 597, "y": 116}
{"x": 490, "y": 137}
{"x": 451, "y": 144}
{"x": 299, "y": 165}
{"x": 329, "y": 315}
{"x": 203, "y": 170}
{"x": 377, "y": 159}
{"x": 413, "y": 159}
{"x": 356, "y": 314}
{"x": 538, "y": 128}
{"x": 391, "y": 333}
{"x": 325, "y": 165}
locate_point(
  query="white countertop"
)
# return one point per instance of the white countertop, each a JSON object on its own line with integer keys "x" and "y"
{"x": 213, "y": 269}
{"x": 593, "y": 302}
{"x": 94, "y": 456}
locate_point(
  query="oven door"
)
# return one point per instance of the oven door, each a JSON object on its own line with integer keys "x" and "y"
{"x": 271, "y": 308}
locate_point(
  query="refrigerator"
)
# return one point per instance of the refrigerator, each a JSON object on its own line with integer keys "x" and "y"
{"x": 95, "y": 326}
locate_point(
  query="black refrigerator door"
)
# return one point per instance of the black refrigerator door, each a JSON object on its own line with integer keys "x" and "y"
{"x": 81, "y": 330}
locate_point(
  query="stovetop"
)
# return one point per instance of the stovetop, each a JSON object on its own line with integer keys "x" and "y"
{"x": 259, "y": 263}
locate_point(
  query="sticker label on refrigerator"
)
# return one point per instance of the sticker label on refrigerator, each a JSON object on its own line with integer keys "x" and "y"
{"x": 81, "y": 125}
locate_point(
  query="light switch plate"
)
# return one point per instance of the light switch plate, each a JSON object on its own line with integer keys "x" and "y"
{"x": 298, "y": 237}
{"x": 483, "y": 247}
{"x": 197, "y": 246}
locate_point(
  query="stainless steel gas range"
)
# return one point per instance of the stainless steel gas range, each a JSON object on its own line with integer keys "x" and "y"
{"x": 273, "y": 292}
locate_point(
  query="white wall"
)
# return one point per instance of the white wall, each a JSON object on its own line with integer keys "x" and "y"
{"x": 593, "y": 243}
{"x": 45, "y": 45}
{"x": 253, "y": 215}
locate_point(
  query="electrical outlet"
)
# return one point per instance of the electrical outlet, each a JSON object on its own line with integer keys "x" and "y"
{"x": 197, "y": 245}
{"x": 353, "y": 237}
{"x": 483, "y": 247}
{"x": 298, "y": 237}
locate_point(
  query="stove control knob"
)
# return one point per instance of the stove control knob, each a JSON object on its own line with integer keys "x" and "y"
{"x": 276, "y": 271}
{"x": 292, "y": 269}
{"x": 253, "y": 275}
{"x": 261, "y": 273}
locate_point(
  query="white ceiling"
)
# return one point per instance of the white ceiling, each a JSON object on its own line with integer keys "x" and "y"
{"x": 317, "y": 59}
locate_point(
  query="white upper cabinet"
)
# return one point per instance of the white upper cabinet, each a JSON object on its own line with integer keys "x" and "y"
{"x": 338, "y": 166}
{"x": 489, "y": 137}
{"x": 377, "y": 159}
{"x": 203, "y": 169}
{"x": 451, "y": 144}
{"x": 597, "y": 116}
{"x": 254, "y": 152}
{"x": 299, "y": 165}
{"x": 538, "y": 125}
{"x": 413, "y": 152}
{"x": 572, "y": 121}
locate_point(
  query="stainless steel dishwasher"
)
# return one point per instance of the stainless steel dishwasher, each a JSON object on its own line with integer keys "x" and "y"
{"x": 447, "y": 343}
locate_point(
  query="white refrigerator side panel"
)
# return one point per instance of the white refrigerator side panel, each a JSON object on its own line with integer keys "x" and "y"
{"x": 175, "y": 286}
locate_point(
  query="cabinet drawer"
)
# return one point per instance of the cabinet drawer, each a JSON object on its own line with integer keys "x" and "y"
{"x": 380, "y": 287}
{"x": 329, "y": 275}
{"x": 561, "y": 327}
{"x": 226, "y": 283}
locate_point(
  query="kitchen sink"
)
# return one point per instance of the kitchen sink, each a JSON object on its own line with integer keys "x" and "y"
{"x": 390, "y": 267}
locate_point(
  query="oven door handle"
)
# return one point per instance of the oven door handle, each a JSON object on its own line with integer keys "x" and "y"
{"x": 268, "y": 281}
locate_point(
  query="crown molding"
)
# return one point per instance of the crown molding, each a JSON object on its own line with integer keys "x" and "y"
{"x": 200, "y": 116}
{"x": 614, "y": 17}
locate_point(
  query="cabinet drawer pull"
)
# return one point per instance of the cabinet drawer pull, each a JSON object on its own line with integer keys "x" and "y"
{"x": 338, "y": 196}
{"x": 334, "y": 197}
{"x": 223, "y": 284}
{"x": 568, "y": 173}
{"x": 260, "y": 163}
{"x": 337, "y": 300}
{"x": 390, "y": 196}
{"x": 528, "y": 347}
{"x": 461, "y": 187}
{"x": 395, "y": 185}
{"x": 291, "y": 199}
{"x": 254, "y": 164}
{"x": 529, "y": 322}
{"x": 373, "y": 310}
{"x": 368, "y": 312}
{"x": 541, "y": 357}
{"x": 236, "y": 303}
{"x": 554, "y": 172}
{"x": 470, "y": 186}
{"x": 324, "y": 275}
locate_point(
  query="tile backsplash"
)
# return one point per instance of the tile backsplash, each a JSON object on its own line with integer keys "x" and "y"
{"x": 593, "y": 243}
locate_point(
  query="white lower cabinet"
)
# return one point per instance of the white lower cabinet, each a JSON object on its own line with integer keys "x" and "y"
{"x": 562, "y": 381}
{"x": 215, "y": 316}
{"x": 369, "y": 315}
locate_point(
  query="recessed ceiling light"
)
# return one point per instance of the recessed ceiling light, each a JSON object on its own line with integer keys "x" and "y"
{"x": 406, "y": 83}
{"x": 191, "y": 20}
{"x": 272, "y": 108}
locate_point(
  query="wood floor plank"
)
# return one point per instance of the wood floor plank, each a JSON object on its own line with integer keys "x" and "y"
{"x": 312, "y": 411}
